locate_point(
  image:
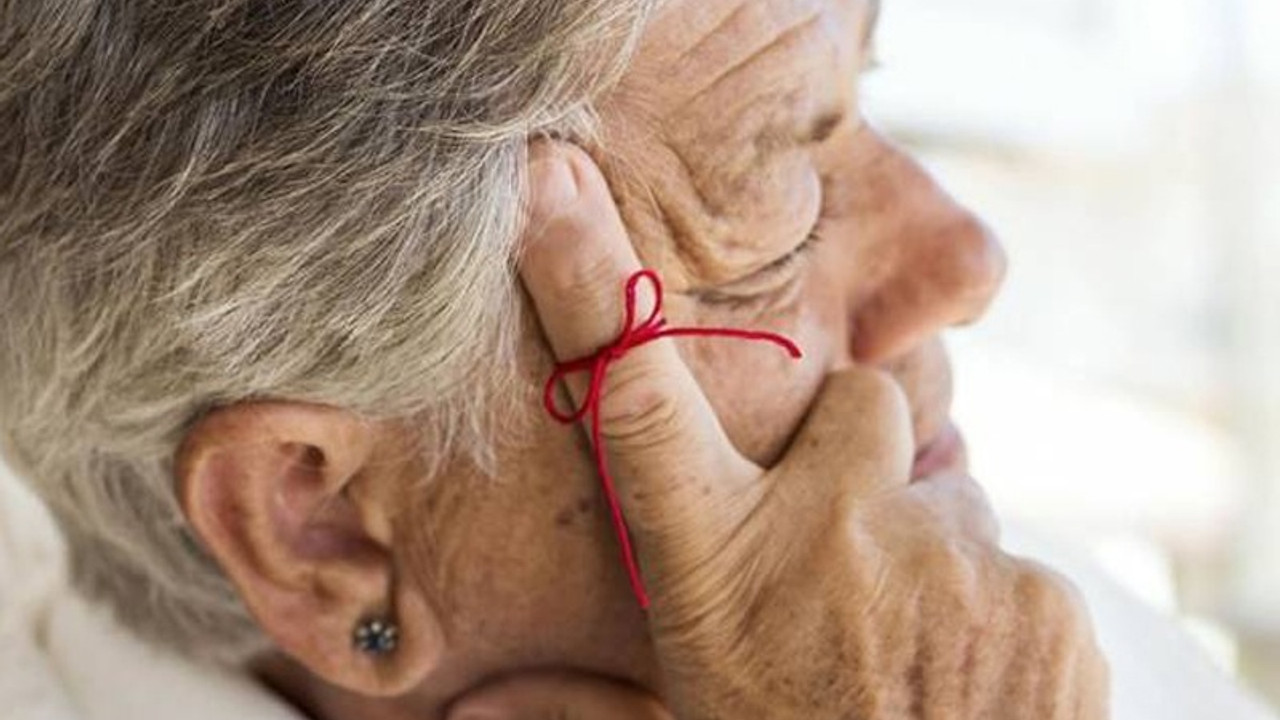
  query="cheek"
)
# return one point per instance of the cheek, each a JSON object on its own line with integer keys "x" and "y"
{"x": 523, "y": 566}
{"x": 760, "y": 394}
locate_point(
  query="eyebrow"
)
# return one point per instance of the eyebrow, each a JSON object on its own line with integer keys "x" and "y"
{"x": 780, "y": 137}
{"x": 824, "y": 125}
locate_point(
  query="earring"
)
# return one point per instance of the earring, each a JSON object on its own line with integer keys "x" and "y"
{"x": 376, "y": 636}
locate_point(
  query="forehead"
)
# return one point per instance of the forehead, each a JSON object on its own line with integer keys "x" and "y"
{"x": 768, "y": 67}
{"x": 720, "y": 104}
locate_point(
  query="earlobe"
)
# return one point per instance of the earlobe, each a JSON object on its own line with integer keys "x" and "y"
{"x": 294, "y": 502}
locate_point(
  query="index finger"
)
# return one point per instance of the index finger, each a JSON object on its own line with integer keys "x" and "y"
{"x": 665, "y": 446}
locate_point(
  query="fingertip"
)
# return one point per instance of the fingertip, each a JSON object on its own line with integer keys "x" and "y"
{"x": 860, "y": 423}
{"x": 553, "y": 185}
{"x": 573, "y": 227}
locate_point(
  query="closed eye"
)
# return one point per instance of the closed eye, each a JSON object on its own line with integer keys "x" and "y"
{"x": 785, "y": 262}
{"x": 759, "y": 285}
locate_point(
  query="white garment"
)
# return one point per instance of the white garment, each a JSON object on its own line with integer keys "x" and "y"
{"x": 61, "y": 659}
{"x": 1157, "y": 670}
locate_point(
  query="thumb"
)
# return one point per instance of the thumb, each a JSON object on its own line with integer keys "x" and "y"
{"x": 558, "y": 696}
{"x": 857, "y": 432}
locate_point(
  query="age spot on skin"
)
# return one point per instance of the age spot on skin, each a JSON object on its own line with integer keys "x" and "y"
{"x": 584, "y": 506}
{"x": 564, "y": 518}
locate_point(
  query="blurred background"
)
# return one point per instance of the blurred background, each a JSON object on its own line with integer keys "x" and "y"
{"x": 1124, "y": 392}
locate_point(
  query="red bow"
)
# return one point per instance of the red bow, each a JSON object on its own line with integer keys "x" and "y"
{"x": 653, "y": 328}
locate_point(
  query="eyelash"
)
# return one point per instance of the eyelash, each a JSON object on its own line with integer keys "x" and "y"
{"x": 797, "y": 253}
{"x": 750, "y": 301}
{"x": 777, "y": 268}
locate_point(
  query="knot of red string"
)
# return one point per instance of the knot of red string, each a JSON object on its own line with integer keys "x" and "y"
{"x": 653, "y": 327}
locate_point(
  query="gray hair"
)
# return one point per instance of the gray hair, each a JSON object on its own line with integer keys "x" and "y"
{"x": 219, "y": 200}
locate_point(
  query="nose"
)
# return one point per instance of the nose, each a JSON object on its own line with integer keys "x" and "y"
{"x": 937, "y": 263}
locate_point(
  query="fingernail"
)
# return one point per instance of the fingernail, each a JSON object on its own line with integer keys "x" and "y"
{"x": 553, "y": 185}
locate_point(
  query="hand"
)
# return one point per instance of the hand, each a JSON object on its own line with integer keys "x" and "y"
{"x": 827, "y": 586}
{"x": 557, "y": 696}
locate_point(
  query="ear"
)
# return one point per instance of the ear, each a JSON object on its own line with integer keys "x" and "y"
{"x": 295, "y": 502}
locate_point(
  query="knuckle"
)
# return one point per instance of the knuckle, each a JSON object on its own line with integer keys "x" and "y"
{"x": 965, "y": 495}
{"x": 960, "y": 504}
{"x": 640, "y": 406}
{"x": 979, "y": 514}
{"x": 1059, "y": 628}
{"x": 1050, "y": 599}
{"x": 955, "y": 566}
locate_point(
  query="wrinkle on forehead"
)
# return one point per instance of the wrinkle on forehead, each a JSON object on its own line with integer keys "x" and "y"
{"x": 726, "y": 61}
{"x": 686, "y": 30}
{"x": 732, "y": 109}
{"x": 717, "y": 111}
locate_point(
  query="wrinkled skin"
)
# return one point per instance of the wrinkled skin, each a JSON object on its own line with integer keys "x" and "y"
{"x": 828, "y": 586}
{"x": 795, "y": 570}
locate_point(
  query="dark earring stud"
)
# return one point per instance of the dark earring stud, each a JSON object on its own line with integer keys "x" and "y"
{"x": 376, "y": 637}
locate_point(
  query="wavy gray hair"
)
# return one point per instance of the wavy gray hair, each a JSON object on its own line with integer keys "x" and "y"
{"x": 210, "y": 201}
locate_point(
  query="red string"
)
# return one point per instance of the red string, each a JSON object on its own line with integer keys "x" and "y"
{"x": 653, "y": 328}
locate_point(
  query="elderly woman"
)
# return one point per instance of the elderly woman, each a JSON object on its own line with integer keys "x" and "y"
{"x": 281, "y": 283}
